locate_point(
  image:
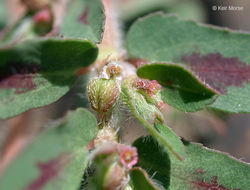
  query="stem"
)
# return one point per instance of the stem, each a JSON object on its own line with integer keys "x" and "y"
{"x": 111, "y": 42}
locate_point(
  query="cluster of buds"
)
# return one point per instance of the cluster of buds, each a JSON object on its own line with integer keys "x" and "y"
{"x": 151, "y": 87}
{"x": 150, "y": 90}
{"x": 105, "y": 134}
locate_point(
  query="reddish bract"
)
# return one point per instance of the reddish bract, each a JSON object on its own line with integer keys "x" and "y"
{"x": 151, "y": 87}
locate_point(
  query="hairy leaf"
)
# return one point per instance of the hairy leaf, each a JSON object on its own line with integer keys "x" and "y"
{"x": 131, "y": 10}
{"x": 56, "y": 159}
{"x": 219, "y": 57}
{"x": 140, "y": 180}
{"x": 38, "y": 72}
{"x": 173, "y": 142}
{"x": 181, "y": 89}
{"x": 202, "y": 169}
{"x": 150, "y": 116}
{"x": 84, "y": 19}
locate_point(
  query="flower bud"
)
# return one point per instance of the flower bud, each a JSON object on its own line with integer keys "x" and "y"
{"x": 150, "y": 90}
{"x": 144, "y": 96}
{"x": 106, "y": 134}
{"x": 151, "y": 87}
{"x": 42, "y": 16}
{"x": 43, "y": 21}
{"x": 103, "y": 94}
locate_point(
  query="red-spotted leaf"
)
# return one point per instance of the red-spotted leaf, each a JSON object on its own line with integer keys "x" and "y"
{"x": 202, "y": 169}
{"x": 151, "y": 117}
{"x": 38, "y": 72}
{"x": 219, "y": 57}
{"x": 181, "y": 89}
{"x": 56, "y": 159}
{"x": 140, "y": 180}
{"x": 84, "y": 19}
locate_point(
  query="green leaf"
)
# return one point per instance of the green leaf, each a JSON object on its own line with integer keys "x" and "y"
{"x": 219, "y": 57}
{"x": 180, "y": 88}
{"x": 173, "y": 142}
{"x": 140, "y": 180}
{"x": 154, "y": 158}
{"x": 131, "y": 10}
{"x": 150, "y": 116}
{"x": 56, "y": 159}
{"x": 38, "y": 72}
{"x": 192, "y": 9}
{"x": 84, "y": 19}
{"x": 202, "y": 169}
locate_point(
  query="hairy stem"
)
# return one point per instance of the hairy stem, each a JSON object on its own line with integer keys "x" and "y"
{"x": 111, "y": 42}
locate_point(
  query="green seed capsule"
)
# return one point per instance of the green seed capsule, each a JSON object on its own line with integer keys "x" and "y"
{"x": 103, "y": 94}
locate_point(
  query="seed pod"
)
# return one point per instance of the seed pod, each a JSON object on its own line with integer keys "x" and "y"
{"x": 115, "y": 178}
{"x": 103, "y": 94}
